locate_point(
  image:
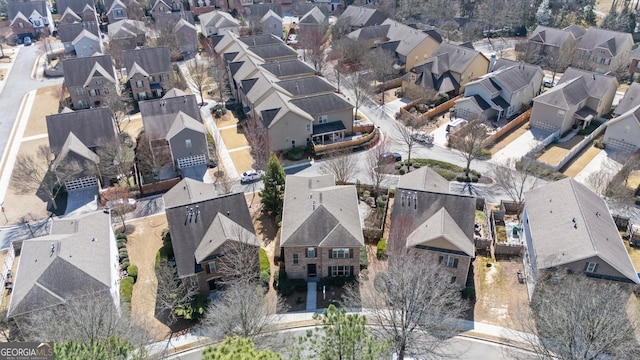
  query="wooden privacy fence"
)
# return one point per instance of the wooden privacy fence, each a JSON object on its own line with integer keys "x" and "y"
{"x": 581, "y": 145}
{"x": 517, "y": 122}
{"x": 440, "y": 109}
{"x": 158, "y": 187}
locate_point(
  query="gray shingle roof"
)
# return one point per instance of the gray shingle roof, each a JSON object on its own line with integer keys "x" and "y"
{"x": 126, "y": 29}
{"x": 188, "y": 232}
{"x": 223, "y": 229}
{"x": 576, "y": 30}
{"x": 422, "y": 218}
{"x": 360, "y": 16}
{"x": 630, "y": 100}
{"x": 274, "y": 51}
{"x": 452, "y": 58}
{"x": 306, "y": 86}
{"x": 81, "y": 68}
{"x": 77, "y": 266}
{"x": 73, "y": 148}
{"x": 322, "y": 103}
{"x": 68, "y": 32}
{"x": 514, "y": 75}
{"x": 159, "y": 115}
{"x": 369, "y": 33}
{"x": 153, "y": 60}
{"x": 612, "y": 40}
{"x": 407, "y": 36}
{"x": 218, "y": 19}
{"x": 258, "y": 40}
{"x": 288, "y": 68}
{"x": 549, "y": 36}
{"x": 558, "y": 240}
{"x": 424, "y": 179}
{"x": 316, "y": 212}
{"x": 91, "y": 126}
{"x": 597, "y": 84}
{"x": 313, "y": 17}
{"x": 183, "y": 121}
{"x": 76, "y": 5}
{"x": 26, "y": 8}
{"x": 260, "y": 10}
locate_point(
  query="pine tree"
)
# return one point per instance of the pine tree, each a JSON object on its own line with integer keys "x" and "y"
{"x": 238, "y": 349}
{"x": 543, "y": 15}
{"x": 341, "y": 336}
{"x": 272, "y": 195}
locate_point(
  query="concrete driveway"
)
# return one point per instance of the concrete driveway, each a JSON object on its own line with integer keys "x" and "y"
{"x": 520, "y": 146}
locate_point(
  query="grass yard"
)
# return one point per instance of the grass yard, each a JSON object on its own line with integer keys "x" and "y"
{"x": 133, "y": 127}
{"x": 233, "y": 138}
{"x": 581, "y": 161}
{"x": 3, "y": 73}
{"x": 634, "y": 254}
{"x": 226, "y": 120}
{"x": 242, "y": 160}
{"x": 46, "y": 103}
{"x": 556, "y": 152}
{"x": 634, "y": 181}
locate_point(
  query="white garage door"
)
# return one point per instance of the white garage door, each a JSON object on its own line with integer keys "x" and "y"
{"x": 190, "y": 161}
{"x": 620, "y": 145}
{"x": 81, "y": 183}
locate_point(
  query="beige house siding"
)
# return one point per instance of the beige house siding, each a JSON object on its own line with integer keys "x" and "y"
{"x": 322, "y": 262}
{"x": 477, "y": 68}
{"x": 291, "y": 127}
{"x": 198, "y": 144}
{"x": 623, "y": 135}
{"x": 603, "y": 269}
{"x": 346, "y": 116}
{"x": 421, "y": 52}
{"x": 545, "y": 117}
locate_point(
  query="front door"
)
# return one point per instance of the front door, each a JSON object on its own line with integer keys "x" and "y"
{"x": 311, "y": 270}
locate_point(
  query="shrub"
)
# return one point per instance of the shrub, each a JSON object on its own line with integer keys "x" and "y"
{"x": 463, "y": 178}
{"x": 484, "y": 153}
{"x": 392, "y": 192}
{"x": 123, "y": 253}
{"x": 121, "y": 236}
{"x": 469, "y": 293}
{"x": 122, "y": 244}
{"x": 402, "y": 171}
{"x": 599, "y": 144}
{"x": 264, "y": 261}
{"x": 126, "y": 288}
{"x": 398, "y": 165}
{"x": 195, "y": 309}
{"x": 166, "y": 235}
{"x": 218, "y": 111}
{"x": 124, "y": 263}
{"x": 166, "y": 251}
{"x": 132, "y": 270}
{"x": 276, "y": 279}
{"x": 295, "y": 154}
{"x": 474, "y": 179}
{"x": 381, "y": 203}
{"x": 381, "y": 249}
{"x": 158, "y": 258}
{"x": 338, "y": 281}
{"x": 416, "y": 165}
{"x": 364, "y": 260}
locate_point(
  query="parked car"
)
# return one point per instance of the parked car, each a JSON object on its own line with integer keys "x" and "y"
{"x": 251, "y": 175}
{"x": 389, "y": 157}
{"x": 26, "y": 41}
{"x": 422, "y": 137}
{"x": 292, "y": 39}
{"x": 548, "y": 84}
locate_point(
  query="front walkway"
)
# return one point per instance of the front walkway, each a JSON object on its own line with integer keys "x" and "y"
{"x": 311, "y": 295}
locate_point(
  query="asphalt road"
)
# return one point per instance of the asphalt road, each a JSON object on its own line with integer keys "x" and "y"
{"x": 461, "y": 347}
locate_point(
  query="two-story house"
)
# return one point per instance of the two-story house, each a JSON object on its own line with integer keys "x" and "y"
{"x": 567, "y": 227}
{"x": 271, "y": 23}
{"x": 78, "y": 258}
{"x": 313, "y": 22}
{"x": 448, "y": 69}
{"x": 76, "y": 136}
{"x": 30, "y": 19}
{"x": 410, "y": 46}
{"x": 321, "y": 232}
{"x": 623, "y": 132}
{"x": 550, "y": 46}
{"x": 506, "y": 90}
{"x": 218, "y": 22}
{"x": 89, "y": 79}
{"x": 82, "y": 38}
{"x": 428, "y": 221}
{"x": 149, "y": 71}
{"x": 174, "y": 125}
{"x": 117, "y": 11}
{"x": 603, "y": 50}
{"x": 579, "y": 97}
{"x": 127, "y": 34}
{"x": 205, "y": 229}
{"x": 123, "y": 9}
{"x": 85, "y": 9}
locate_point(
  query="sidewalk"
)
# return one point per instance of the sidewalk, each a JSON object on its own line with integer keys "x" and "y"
{"x": 8, "y": 66}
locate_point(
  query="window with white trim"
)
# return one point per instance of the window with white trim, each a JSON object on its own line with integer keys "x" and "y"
{"x": 139, "y": 83}
{"x": 296, "y": 261}
{"x": 194, "y": 280}
{"x": 212, "y": 267}
{"x": 322, "y": 119}
{"x": 311, "y": 252}
{"x": 342, "y": 253}
{"x": 309, "y": 128}
{"x": 591, "y": 267}
{"x": 187, "y": 143}
{"x": 79, "y": 91}
{"x": 92, "y": 92}
{"x": 98, "y": 82}
{"x": 561, "y": 113}
{"x": 449, "y": 261}
{"x": 21, "y": 25}
{"x": 341, "y": 270}
{"x": 142, "y": 96}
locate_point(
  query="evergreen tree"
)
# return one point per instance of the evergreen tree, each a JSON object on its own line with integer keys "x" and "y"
{"x": 340, "y": 336}
{"x": 272, "y": 196}
{"x": 238, "y": 349}
{"x": 543, "y": 15}
{"x": 111, "y": 348}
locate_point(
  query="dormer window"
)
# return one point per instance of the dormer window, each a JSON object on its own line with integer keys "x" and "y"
{"x": 21, "y": 25}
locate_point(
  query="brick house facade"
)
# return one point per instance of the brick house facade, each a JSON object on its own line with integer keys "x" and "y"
{"x": 325, "y": 262}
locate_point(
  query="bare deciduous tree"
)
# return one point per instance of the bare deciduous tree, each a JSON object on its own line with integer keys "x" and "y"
{"x": 199, "y": 73}
{"x": 468, "y": 140}
{"x": 375, "y": 173}
{"x": 218, "y": 73}
{"x": 86, "y": 319}
{"x": 351, "y": 51}
{"x": 173, "y": 293}
{"x": 34, "y": 172}
{"x": 404, "y": 135}
{"x": 117, "y": 199}
{"x": 576, "y": 317}
{"x": 412, "y": 304}
{"x": 258, "y": 137}
{"x": 241, "y": 262}
{"x": 342, "y": 166}
{"x": 116, "y": 159}
{"x": 514, "y": 180}
{"x": 119, "y": 103}
{"x": 312, "y": 41}
{"x": 360, "y": 85}
{"x": 243, "y": 310}
{"x": 381, "y": 62}
{"x": 164, "y": 36}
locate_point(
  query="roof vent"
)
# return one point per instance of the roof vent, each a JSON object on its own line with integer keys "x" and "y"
{"x": 53, "y": 249}
{"x": 93, "y": 238}
{"x": 594, "y": 76}
{"x": 228, "y": 212}
{"x": 313, "y": 205}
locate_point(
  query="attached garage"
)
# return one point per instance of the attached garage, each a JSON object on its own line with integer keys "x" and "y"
{"x": 81, "y": 183}
{"x": 190, "y": 161}
{"x": 623, "y": 133}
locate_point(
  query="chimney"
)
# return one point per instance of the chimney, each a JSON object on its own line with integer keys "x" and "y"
{"x": 492, "y": 62}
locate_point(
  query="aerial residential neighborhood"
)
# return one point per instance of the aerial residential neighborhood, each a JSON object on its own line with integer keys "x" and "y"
{"x": 320, "y": 180}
